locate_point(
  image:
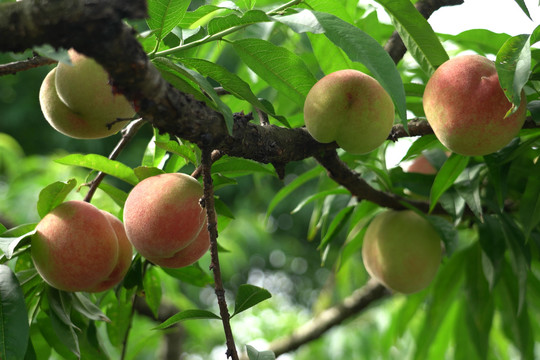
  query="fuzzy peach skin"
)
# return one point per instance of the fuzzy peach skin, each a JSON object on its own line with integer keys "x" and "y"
{"x": 421, "y": 165}
{"x": 188, "y": 255}
{"x": 75, "y": 248}
{"x": 62, "y": 118}
{"x": 162, "y": 215}
{"x": 465, "y": 105}
{"x": 351, "y": 108}
{"x": 402, "y": 251}
{"x": 125, "y": 253}
{"x": 78, "y": 101}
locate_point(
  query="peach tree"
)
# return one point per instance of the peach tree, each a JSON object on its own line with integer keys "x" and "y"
{"x": 217, "y": 90}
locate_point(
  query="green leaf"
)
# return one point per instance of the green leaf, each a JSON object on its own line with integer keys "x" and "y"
{"x": 513, "y": 65}
{"x": 82, "y": 303}
{"x": 520, "y": 256}
{"x": 16, "y": 237}
{"x": 164, "y": 15}
{"x": 492, "y": 241}
{"x": 529, "y": 209}
{"x": 447, "y": 232}
{"x": 419, "y": 145}
{"x": 53, "y": 195}
{"x": 523, "y": 7}
{"x": 468, "y": 186}
{"x": 143, "y": 172}
{"x": 416, "y": 33}
{"x": 60, "y": 310}
{"x": 181, "y": 150}
{"x": 318, "y": 196}
{"x": 101, "y": 163}
{"x": 120, "y": 312}
{"x": 446, "y": 176}
{"x": 233, "y": 166}
{"x": 153, "y": 155}
{"x": 249, "y": 296}
{"x": 516, "y": 320}
{"x": 284, "y": 192}
{"x": 187, "y": 315}
{"x": 14, "y": 329}
{"x": 481, "y": 41}
{"x": 362, "y": 48}
{"x": 480, "y": 305}
{"x": 117, "y": 195}
{"x": 152, "y": 289}
{"x": 279, "y": 67}
{"x": 253, "y": 354}
{"x": 232, "y": 83}
{"x": 444, "y": 292}
{"x": 203, "y": 83}
{"x": 338, "y": 222}
{"x": 222, "y": 23}
{"x": 192, "y": 274}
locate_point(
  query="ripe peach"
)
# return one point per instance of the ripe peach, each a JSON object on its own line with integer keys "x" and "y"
{"x": 421, "y": 165}
{"x": 125, "y": 252}
{"x": 163, "y": 218}
{"x": 78, "y": 101}
{"x": 402, "y": 250}
{"x": 351, "y": 108}
{"x": 78, "y": 247}
{"x": 465, "y": 106}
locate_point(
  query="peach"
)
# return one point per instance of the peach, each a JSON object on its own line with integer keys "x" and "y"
{"x": 351, "y": 108}
{"x": 466, "y": 107}
{"x": 78, "y": 247}
{"x": 402, "y": 250}
{"x": 78, "y": 101}
{"x": 164, "y": 220}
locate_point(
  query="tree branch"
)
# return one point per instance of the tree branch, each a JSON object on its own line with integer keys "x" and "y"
{"x": 22, "y": 65}
{"x": 208, "y": 201}
{"x": 127, "y": 134}
{"x": 357, "y": 302}
{"x": 339, "y": 172}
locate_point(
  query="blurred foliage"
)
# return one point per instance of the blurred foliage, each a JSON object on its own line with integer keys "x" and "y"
{"x": 277, "y": 234}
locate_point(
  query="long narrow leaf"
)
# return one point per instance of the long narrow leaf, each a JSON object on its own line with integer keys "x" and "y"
{"x": 279, "y": 67}
{"x": 14, "y": 329}
{"x": 446, "y": 176}
{"x": 164, "y": 15}
{"x": 101, "y": 163}
{"x": 513, "y": 65}
{"x": 186, "y": 315}
{"x": 416, "y": 33}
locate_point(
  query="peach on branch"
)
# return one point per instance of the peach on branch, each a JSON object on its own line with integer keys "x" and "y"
{"x": 351, "y": 108}
{"x": 466, "y": 107}
{"x": 402, "y": 250}
{"x": 78, "y": 101}
{"x": 164, "y": 220}
{"x": 78, "y": 247}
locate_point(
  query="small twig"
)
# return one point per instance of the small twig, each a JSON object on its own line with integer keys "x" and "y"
{"x": 127, "y": 134}
{"x": 263, "y": 118}
{"x": 22, "y": 65}
{"x": 208, "y": 201}
{"x": 215, "y": 156}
